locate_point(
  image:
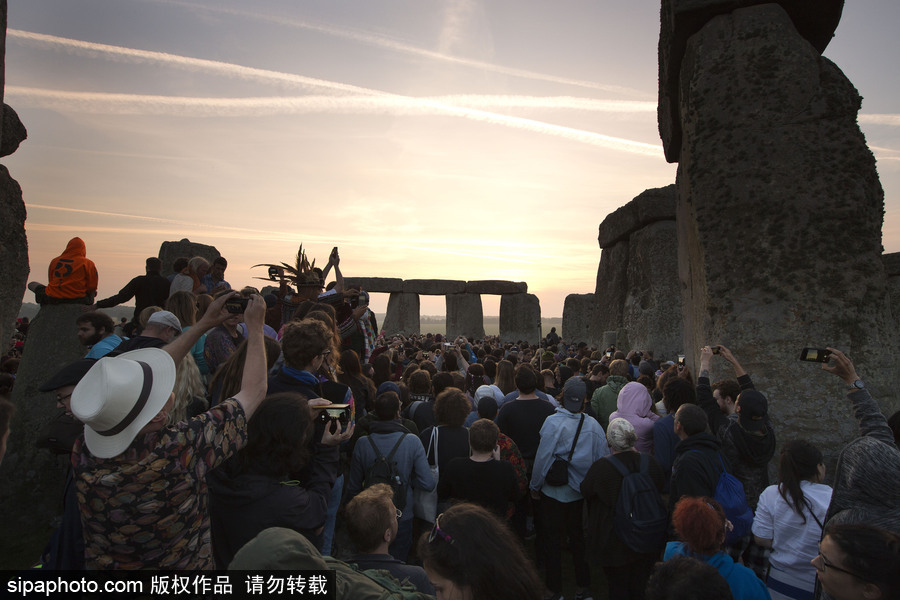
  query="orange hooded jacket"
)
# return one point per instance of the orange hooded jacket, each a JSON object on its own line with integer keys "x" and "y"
{"x": 72, "y": 274}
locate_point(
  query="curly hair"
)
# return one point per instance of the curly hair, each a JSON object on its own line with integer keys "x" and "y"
{"x": 420, "y": 382}
{"x": 451, "y": 407}
{"x": 700, "y": 523}
{"x": 302, "y": 341}
{"x": 468, "y": 534}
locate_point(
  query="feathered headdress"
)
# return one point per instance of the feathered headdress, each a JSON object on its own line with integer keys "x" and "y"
{"x": 302, "y": 274}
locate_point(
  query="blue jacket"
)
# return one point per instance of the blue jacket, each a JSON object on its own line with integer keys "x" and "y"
{"x": 557, "y": 434}
{"x": 410, "y": 458}
{"x": 744, "y": 583}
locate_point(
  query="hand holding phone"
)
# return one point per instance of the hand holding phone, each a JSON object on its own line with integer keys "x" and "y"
{"x": 820, "y": 355}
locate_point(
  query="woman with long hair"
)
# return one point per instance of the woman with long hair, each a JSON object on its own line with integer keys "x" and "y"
{"x": 259, "y": 487}
{"x": 701, "y": 525}
{"x": 351, "y": 375}
{"x": 506, "y": 378}
{"x": 471, "y": 554}
{"x": 184, "y": 306}
{"x": 789, "y": 519}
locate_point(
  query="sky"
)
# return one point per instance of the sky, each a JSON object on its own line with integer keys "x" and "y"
{"x": 426, "y": 139}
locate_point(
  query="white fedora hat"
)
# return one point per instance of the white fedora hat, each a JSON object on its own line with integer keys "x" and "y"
{"x": 120, "y": 395}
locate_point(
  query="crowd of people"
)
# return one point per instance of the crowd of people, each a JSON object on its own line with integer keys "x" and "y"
{"x": 218, "y": 424}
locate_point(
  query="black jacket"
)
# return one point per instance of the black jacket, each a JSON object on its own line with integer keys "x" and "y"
{"x": 147, "y": 290}
{"x": 698, "y": 463}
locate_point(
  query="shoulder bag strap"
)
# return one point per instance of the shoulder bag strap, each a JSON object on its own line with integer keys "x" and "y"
{"x": 390, "y": 456}
{"x": 577, "y": 433}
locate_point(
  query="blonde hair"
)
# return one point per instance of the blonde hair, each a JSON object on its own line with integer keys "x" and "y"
{"x": 188, "y": 386}
{"x": 145, "y": 315}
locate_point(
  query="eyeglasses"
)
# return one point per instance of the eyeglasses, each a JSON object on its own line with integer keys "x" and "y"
{"x": 325, "y": 353}
{"x": 827, "y": 566}
{"x": 61, "y": 398}
{"x": 436, "y": 530}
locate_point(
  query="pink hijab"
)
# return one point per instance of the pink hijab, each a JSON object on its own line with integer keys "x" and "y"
{"x": 634, "y": 404}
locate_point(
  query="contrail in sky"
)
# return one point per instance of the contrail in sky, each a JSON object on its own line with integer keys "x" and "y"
{"x": 144, "y": 56}
{"x": 391, "y": 44}
{"x": 880, "y": 119}
{"x": 104, "y": 103}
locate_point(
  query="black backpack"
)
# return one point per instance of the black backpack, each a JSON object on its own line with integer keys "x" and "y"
{"x": 641, "y": 518}
{"x": 384, "y": 470}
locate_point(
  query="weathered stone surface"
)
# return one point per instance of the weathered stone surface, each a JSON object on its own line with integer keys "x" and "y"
{"x": 652, "y": 309}
{"x": 638, "y": 291}
{"x": 891, "y": 264}
{"x": 612, "y": 282}
{"x": 465, "y": 316}
{"x": 387, "y": 285}
{"x": 578, "y": 318}
{"x": 520, "y": 318}
{"x": 773, "y": 170}
{"x": 33, "y": 478}
{"x": 656, "y": 204}
{"x": 169, "y": 251}
{"x": 402, "y": 314}
{"x": 14, "y": 249}
{"x": 814, "y": 20}
{"x": 496, "y": 287}
{"x": 14, "y": 132}
{"x": 434, "y": 287}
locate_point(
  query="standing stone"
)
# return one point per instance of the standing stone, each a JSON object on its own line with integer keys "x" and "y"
{"x": 465, "y": 316}
{"x": 891, "y": 264}
{"x": 637, "y": 281}
{"x": 402, "y": 314}
{"x": 779, "y": 221}
{"x": 33, "y": 478}
{"x": 14, "y": 249}
{"x": 169, "y": 251}
{"x": 520, "y": 318}
{"x": 578, "y": 318}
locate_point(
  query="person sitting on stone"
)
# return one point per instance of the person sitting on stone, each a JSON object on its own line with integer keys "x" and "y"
{"x": 214, "y": 280}
{"x": 96, "y": 331}
{"x": 72, "y": 277}
{"x": 372, "y": 523}
{"x": 150, "y": 289}
{"x": 127, "y": 454}
{"x": 482, "y": 478}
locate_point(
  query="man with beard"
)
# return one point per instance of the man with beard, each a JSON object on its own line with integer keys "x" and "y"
{"x": 96, "y": 330}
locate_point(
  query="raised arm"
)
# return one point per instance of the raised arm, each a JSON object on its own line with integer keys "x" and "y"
{"x": 253, "y": 383}
{"x": 215, "y": 315}
{"x": 871, "y": 420}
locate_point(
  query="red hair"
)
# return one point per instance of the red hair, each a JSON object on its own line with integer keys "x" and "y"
{"x": 700, "y": 523}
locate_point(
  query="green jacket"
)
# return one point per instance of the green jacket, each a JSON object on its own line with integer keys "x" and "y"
{"x": 604, "y": 399}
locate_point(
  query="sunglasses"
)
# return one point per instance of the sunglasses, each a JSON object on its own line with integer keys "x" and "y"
{"x": 437, "y": 531}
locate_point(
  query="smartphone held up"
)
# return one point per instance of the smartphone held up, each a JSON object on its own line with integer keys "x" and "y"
{"x": 819, "y": 355}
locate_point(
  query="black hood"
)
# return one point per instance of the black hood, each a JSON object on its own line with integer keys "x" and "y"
{"x": 754, "y": 449}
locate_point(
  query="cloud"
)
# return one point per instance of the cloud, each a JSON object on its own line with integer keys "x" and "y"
{"x": 391, "y": 44}
{"x": 880, "y": 119}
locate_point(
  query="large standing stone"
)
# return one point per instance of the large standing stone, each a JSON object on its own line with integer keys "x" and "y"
{"x": 638, "y": 290}
{"x": 578, "y": 318}
{"x": 520, "y": 318}
{"x": 14, "y": 249}
{"x": 891, "y": 264}
{"x": 465, "y": 316}
{"x": 402, "y": 314}
{"x": 815, "y": 20}
{"x": 33, "y": 478}
{"x": 779, "y": 216}
{"x": 169, "y": 251}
